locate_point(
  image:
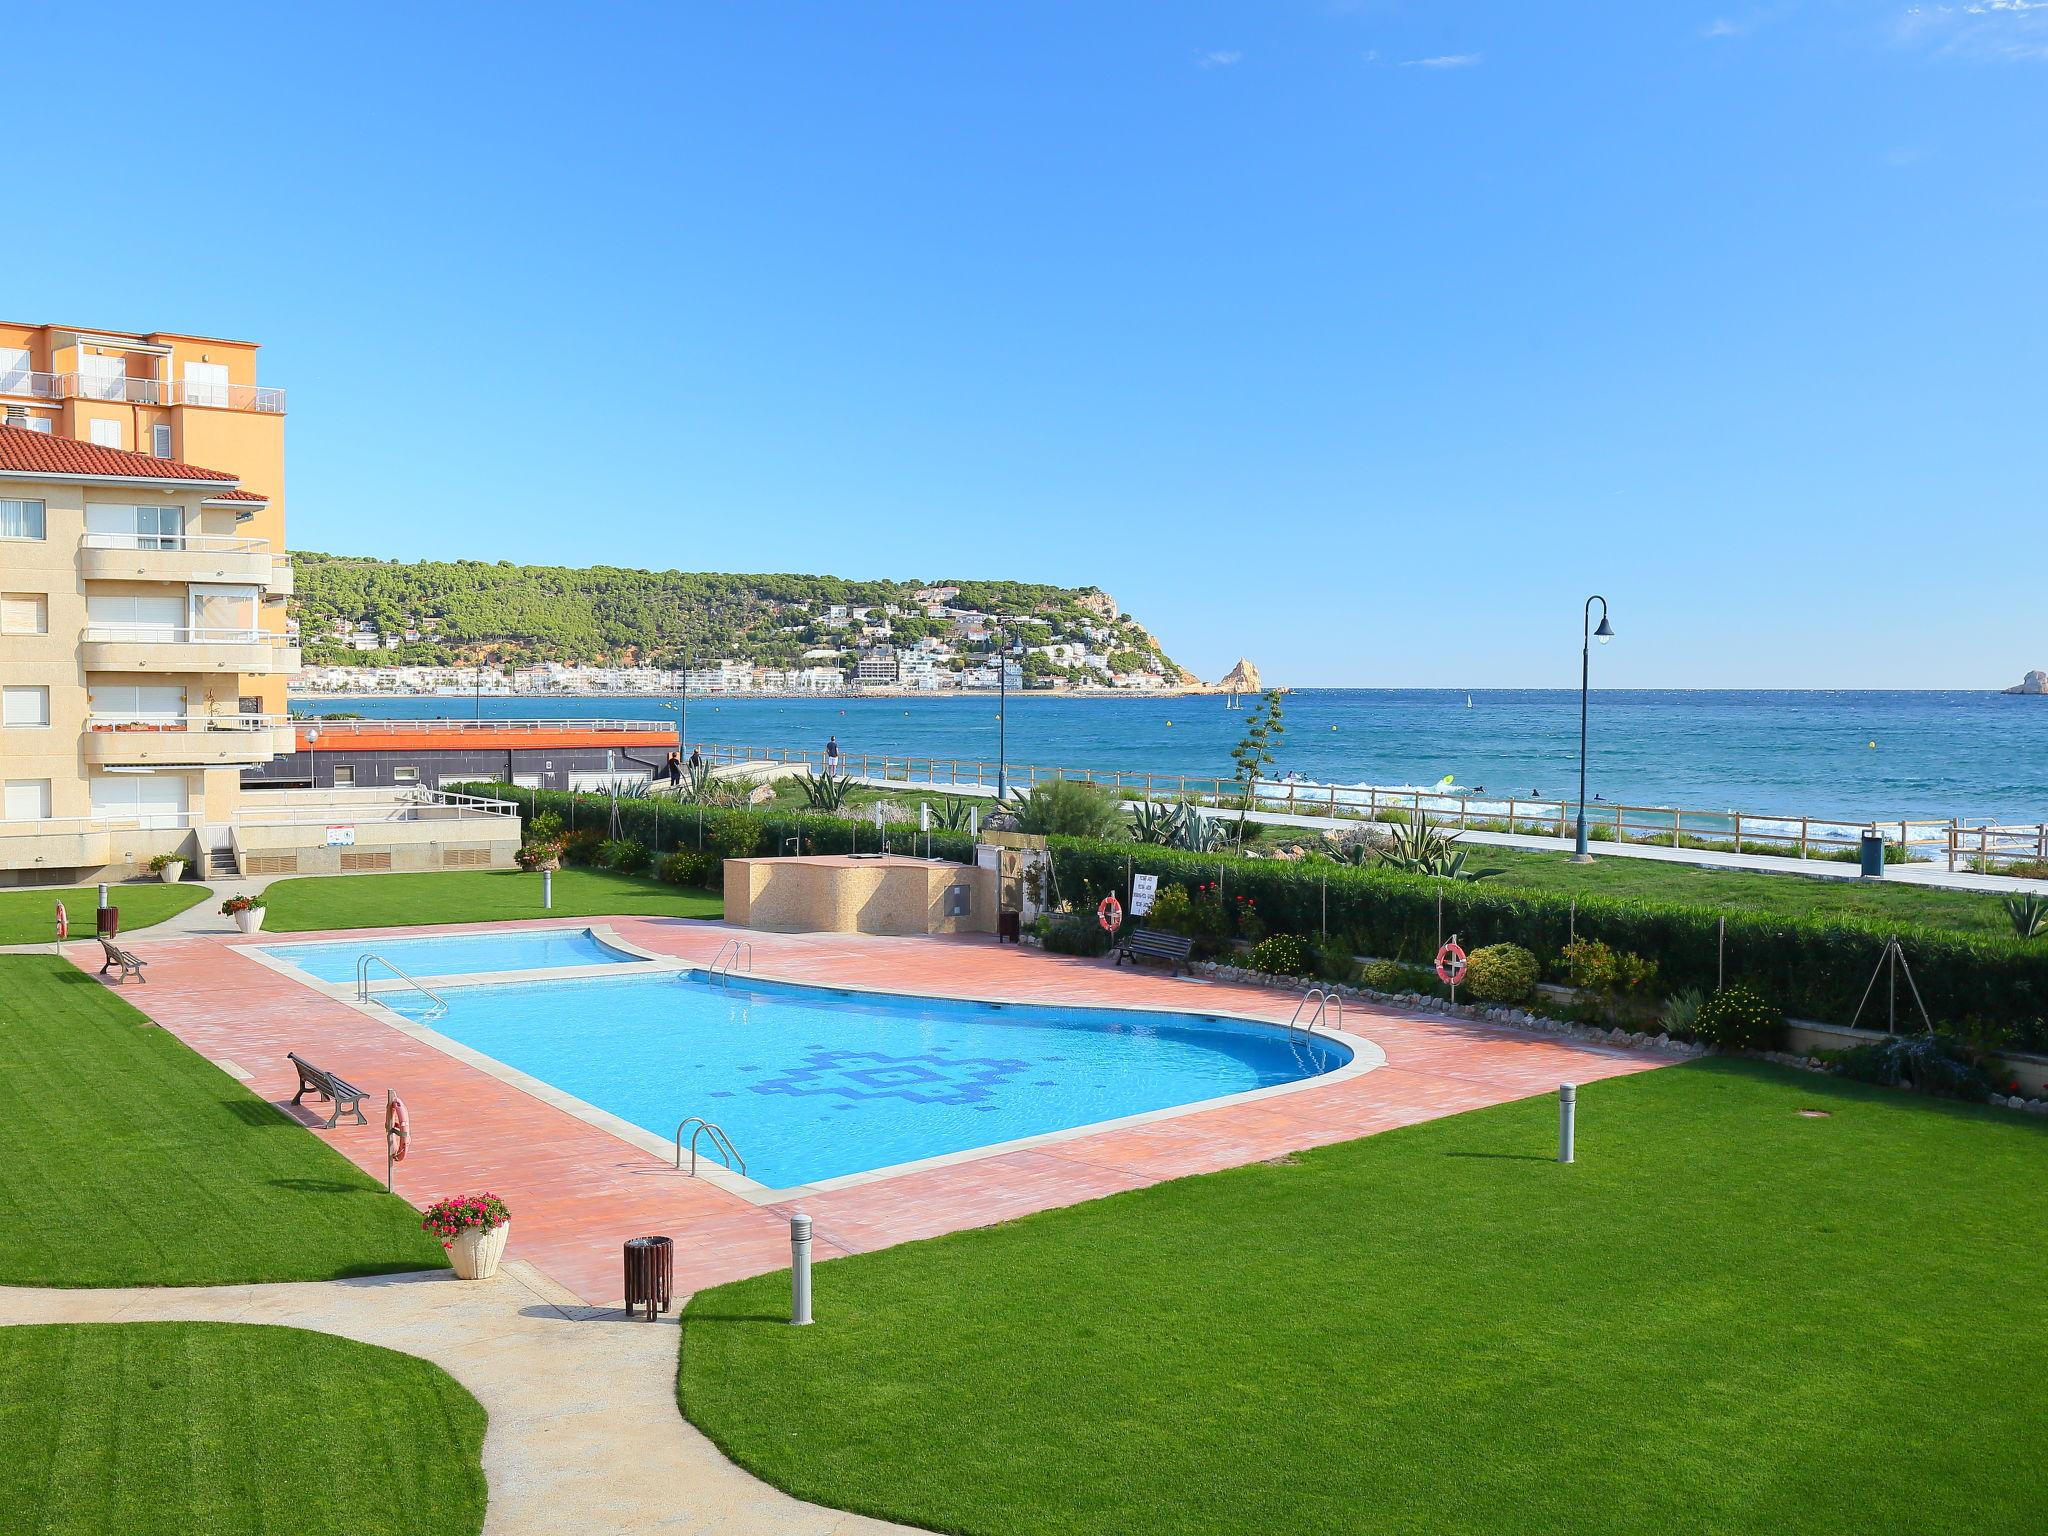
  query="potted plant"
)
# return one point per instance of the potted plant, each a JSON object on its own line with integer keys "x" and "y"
{"x": 247, "y": 911}
{"x": 168, "y": 867}
{"x": 473, "y": 1228}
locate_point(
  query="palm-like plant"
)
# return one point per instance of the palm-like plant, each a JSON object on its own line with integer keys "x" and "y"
{"x": 1157, "y": 824}
{"x": 826, "y": 792}
{"x": 2029, "y": 914}
{"x": 1420, "y": 849}
{"x": 953, "y": 814}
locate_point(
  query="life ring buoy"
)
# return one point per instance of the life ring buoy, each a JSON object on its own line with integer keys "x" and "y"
{"x": 63, "y": 922}
{"x": 1110, "y": 913}
{"x": 1450, "y": 964}
{"x": 397, "y": 1129}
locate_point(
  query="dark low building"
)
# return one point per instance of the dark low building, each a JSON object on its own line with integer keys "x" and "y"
{"x": 384, "y": 754}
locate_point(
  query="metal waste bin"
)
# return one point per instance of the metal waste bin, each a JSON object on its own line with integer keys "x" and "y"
{"x": 1873, "y": 855}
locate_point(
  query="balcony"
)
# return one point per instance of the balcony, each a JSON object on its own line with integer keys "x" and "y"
{"x": 177, "y": 557}
{"x": 279, "y": 583}
{"x": 177, "y": 648}
{"x": 123, "y": 390}
{"x": 163, "y": 741}
{"x": 91, "y": 842}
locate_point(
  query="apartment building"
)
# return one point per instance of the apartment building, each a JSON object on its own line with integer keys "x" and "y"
{"x": 142, "y": 654}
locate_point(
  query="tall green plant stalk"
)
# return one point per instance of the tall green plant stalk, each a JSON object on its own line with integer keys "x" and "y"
{"x": 1254, "y": 752}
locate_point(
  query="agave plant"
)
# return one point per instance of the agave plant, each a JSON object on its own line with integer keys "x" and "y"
{"x": 825, "y": 792}
{"x": 1201, "y": 834}
{"x": 1157, "y": 824}
{"x": 2029, "y": 914}
{"x": 1420, "y": 849}
{"x": 953, "y": 814}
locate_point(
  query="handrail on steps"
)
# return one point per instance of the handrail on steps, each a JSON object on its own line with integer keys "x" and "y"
{"x": 364, "y": 995}
{"x": 720, "y": 1143}
{"x": 1324, "y": 998}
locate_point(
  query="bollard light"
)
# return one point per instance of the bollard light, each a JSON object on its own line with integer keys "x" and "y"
{"x": 799, "y": 1270}
{"x": 547, "y": 890}
{"x": 1567, "y": 1120}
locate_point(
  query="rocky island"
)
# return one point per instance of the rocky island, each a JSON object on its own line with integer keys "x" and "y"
{"x": 2035, "y": 682}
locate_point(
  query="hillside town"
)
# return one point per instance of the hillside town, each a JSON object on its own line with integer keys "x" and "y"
{"x": 929, "y": 645}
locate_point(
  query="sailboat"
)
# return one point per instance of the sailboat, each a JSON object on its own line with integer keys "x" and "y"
{"x": 1468, "y": 701}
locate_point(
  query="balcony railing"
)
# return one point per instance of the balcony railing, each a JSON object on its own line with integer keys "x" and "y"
{"x": 178, "y": 634}
{"x": 198, "y": 543}
{"x": 152, "y": 722}
{"x": 124, "y": 390}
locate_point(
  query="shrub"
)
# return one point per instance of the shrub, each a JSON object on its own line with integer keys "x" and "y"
{"x": 735, "y": 835}
{"x": 535, "y": 854}
{"x": 1068, "y": 808}
{"x": 1500, "y": 973}
{"x": 1934, "y": 1063}
{"x": 1283, "y": 954}
{"x": 698, "y": 871}
{"x": 582, "y": 845}
{"x": 1615, "y": 978}
{"x": 1069, "y": 933}
{"x": 159, "y": 862}
{"x": 624, "y": 854}
{"x": 1387, "y": 976}
{"x": 1170, "y": 910}
{"x": 236, "y": 904}
{"x": 447, "y": 1218}
{"x": 1681, "y": 1015}
{"x": 547, "y": 827}
{"x": 1737, "y": 1019}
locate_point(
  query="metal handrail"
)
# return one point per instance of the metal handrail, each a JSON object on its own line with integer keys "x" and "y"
{"x": 720, "y": 1143}
{"x": 201, "y": 543}
{"x": 147, "y": 391}
{"x": 1323, "y": 998}
{"x": 182, "y": 634}
{"x": 364, "y": 995}
{"x": 184, "y": 722}
{"x": 721, "y": 966}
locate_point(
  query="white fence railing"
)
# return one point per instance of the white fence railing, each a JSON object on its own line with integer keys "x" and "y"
{"x": 146, "y": 721}
{"x": 179, "y": 634}
{"x": 131, "y": 391}
{"x": 197, "y": 543}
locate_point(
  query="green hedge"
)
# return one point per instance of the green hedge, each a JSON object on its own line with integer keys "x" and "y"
{"x": 1811, "y": 968}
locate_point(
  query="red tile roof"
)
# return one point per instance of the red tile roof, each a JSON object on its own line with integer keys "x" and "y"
{"x": 26, "y": 452}
{"x": 249, "y": 496}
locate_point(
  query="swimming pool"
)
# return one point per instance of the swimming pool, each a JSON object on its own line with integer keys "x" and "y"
{"x": 813, "y": 1084}
{"x": 456, "y": 954}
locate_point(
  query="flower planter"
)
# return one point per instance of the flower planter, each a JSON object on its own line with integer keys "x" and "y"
{"x": 172, "y": 872}
{"x": 250, "y": 919}
{"x": 475, "y": 1252}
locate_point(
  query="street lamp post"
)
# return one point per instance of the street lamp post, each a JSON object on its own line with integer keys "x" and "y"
{"x": 1589, "y": 634}
{"x": 1002, "y": 715}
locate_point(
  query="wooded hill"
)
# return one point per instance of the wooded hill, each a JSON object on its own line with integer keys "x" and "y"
{"x": 469, "y": 612}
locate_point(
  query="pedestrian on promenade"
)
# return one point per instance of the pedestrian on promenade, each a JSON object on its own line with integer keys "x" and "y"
{"x": 831, "y": 755}
{"x": 672, "y": 770}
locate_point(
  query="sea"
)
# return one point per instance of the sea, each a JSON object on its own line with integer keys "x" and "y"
{"x": 1853, "y": 755}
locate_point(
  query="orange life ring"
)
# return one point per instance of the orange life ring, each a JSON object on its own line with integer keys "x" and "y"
{"x": 1450, "y": 964}
{"x": 63, "y": 922}
{"x": 397, "y": 1129}
{"x": 1110, "y": 913}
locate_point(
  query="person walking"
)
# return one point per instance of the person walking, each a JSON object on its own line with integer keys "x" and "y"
{"x": 696, "y": 760}
{"x": 672, "y": 770}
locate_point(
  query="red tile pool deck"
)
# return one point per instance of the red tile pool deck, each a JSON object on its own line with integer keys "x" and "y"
{"x": 577, "y": 1192}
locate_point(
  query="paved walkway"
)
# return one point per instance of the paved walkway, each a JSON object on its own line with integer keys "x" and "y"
{"x": 577, "y": 1191}
{"x": 584, "y": 1431}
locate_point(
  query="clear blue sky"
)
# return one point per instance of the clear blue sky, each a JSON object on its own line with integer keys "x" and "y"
{"x": 1364, "y": 338}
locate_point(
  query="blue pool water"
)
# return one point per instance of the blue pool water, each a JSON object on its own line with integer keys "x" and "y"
{"x": 456, "y": 954}
{"x": 812, "y": 1083}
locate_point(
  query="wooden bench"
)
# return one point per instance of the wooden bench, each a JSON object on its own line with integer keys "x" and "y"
{"x": 129, "y": 964}
{"x": 345, "y": 1097}
{"x": 1152, "y": 944}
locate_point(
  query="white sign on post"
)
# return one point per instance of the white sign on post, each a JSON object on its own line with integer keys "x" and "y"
{"x": 1143, "y": 889}
{"x": 341, "y": 837}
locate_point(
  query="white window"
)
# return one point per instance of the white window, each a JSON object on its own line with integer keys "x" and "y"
{"x": 405, "y": 775}
{"x": 160, "y": 440}
{"x": 136, "y": 527}
{"x": 137, "y": 618}
{"x": 24, "y": 706}
{"x": 139, "y": 703}
{"x": 154, "y": 799}
{"x": 14, "y": 370}
{"x": 21, "y": 519}
{"x": 41, "y": 424}
{"x": 344, "y": 775}
{"x": 25, "y": 800}
{"x": 107, "y": 433}
{"x": 24, "y": 613}
{"x": 223, "y": 613}
{"x": 103, "y": 378}
{"x": 206, "y": 383}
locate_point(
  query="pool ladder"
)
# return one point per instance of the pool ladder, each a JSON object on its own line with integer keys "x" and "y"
{"x": 1325, "y": 999}
{"x": 364, "y": 995}
{"x": 720, "y": 1143}
{"x": 731, "y": 954}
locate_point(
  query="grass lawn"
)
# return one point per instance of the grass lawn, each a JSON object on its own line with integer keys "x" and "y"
{"x": 472, "y": 896}
{"x": 29, "y": 917}
{"x": 1726, "y": 1317}
{"x": 127, "y": 1159}
{"x": 227, "y": 1428}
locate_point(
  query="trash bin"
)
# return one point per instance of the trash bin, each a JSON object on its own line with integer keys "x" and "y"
{"x": 1873, "y": 855}
{"x": 1009, "y": 925}
{"x": 108, "y": 922}
{"x": 650, "y": 1274}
